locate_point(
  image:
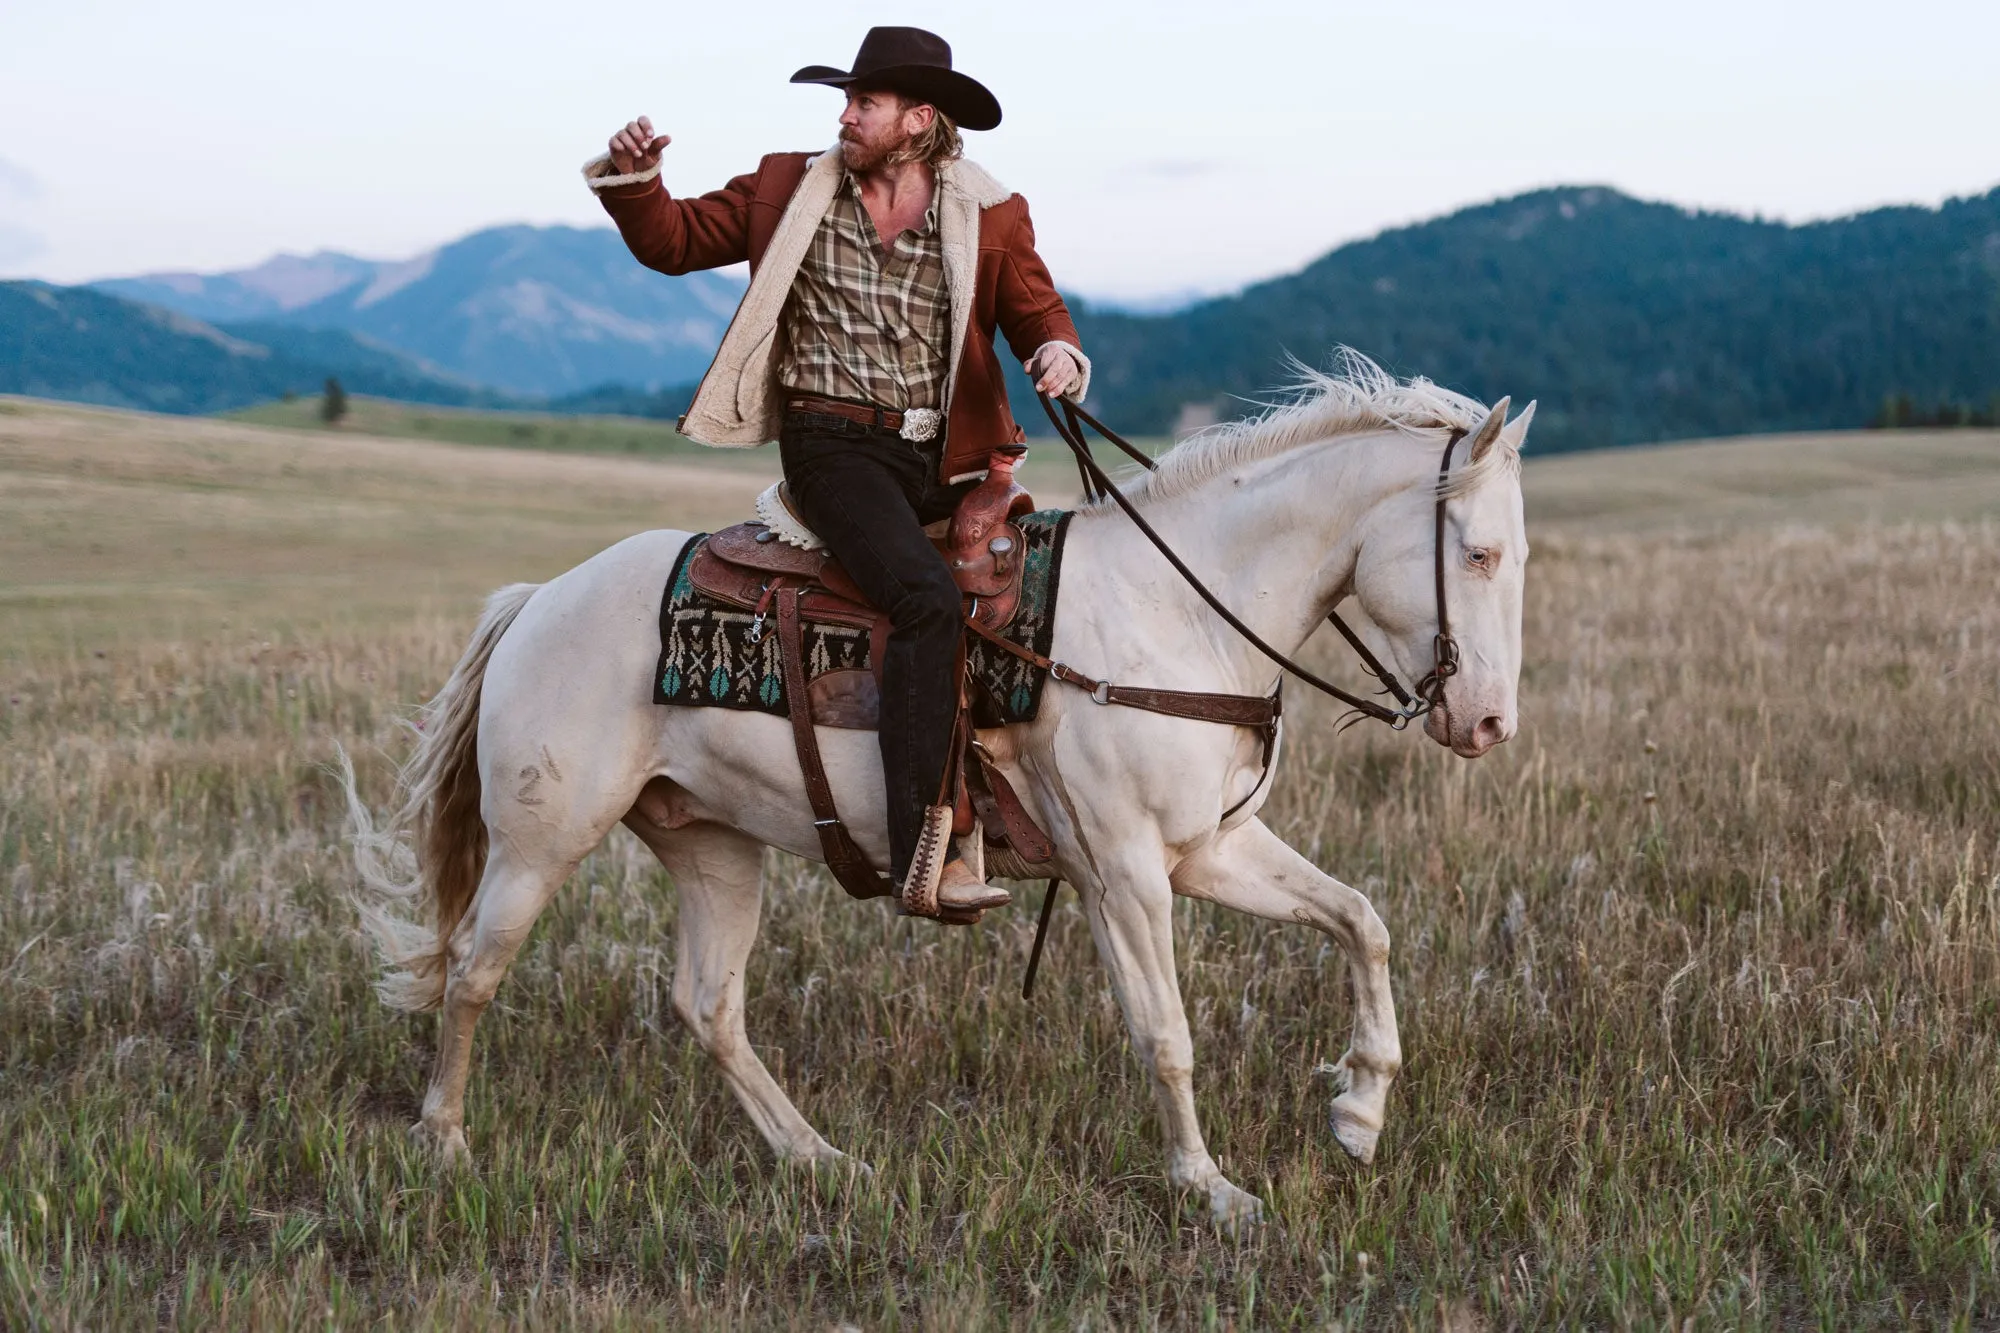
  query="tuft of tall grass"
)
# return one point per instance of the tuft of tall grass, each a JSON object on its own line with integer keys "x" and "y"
{"x": 1697, "y": 981}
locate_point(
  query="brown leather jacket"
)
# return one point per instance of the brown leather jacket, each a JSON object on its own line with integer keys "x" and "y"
{"x": 768, "y": 216}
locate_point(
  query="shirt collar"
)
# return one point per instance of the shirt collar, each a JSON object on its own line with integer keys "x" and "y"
{"x": 851, "y": 183}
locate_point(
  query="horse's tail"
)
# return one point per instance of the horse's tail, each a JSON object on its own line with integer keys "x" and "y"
{"x": 432, "y": 851}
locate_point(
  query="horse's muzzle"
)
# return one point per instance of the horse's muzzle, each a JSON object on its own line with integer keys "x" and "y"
{"x": 1466, "y": 738}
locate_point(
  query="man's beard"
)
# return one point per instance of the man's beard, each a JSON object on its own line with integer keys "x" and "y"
{"x": 862, "y": 156}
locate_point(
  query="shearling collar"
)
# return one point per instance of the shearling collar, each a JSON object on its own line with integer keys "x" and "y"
{"x": 971, "y": 180}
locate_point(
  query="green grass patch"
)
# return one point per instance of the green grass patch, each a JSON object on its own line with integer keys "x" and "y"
{"x": 635, "y": 437}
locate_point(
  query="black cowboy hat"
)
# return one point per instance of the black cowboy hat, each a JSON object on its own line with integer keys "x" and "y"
{"x": 917, "y": 63}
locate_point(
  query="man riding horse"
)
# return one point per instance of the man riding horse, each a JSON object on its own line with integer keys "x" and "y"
{"x": 864, "y": 345}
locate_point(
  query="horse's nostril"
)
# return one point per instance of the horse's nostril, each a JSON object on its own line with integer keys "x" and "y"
{"x": 1490, "y": 731}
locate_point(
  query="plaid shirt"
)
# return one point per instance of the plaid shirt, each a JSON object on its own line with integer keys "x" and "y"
{"x": 858, "y": 325}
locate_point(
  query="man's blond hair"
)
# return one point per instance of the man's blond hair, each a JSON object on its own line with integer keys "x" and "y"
{"x": 937, "y": 143}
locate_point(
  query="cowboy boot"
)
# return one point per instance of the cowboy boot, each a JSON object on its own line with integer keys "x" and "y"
{"x": 961, "y": 890}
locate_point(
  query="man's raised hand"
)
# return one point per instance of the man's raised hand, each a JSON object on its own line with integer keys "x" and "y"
{"x": 635, "y": 149}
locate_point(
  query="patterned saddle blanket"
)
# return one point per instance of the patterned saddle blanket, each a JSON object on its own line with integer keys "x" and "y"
{"x": 717, "y": 653}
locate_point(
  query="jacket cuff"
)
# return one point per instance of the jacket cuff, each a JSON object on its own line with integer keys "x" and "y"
{"x": 599, "y": 174}
{"x": 1081, "y": 360}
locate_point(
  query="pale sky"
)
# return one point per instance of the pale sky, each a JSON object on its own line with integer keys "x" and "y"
{"x": 1163, "y": 146}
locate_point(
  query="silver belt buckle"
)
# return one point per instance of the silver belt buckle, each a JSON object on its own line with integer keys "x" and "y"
{"x": 920, "y": 424}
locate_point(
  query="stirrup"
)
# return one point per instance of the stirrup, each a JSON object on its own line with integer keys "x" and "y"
{"x": 920, "y": 886}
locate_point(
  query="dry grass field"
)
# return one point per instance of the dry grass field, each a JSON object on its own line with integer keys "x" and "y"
{"x": 123, "y": 531}
{"x": 1699, "y": 978}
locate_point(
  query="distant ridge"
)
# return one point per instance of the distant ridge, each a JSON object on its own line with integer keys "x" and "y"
{"x": 528, "y": 311}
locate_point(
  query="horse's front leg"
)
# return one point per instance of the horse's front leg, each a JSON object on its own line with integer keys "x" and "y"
{"x": 1131, "y": 918}
{"x": 1251, "y": 869}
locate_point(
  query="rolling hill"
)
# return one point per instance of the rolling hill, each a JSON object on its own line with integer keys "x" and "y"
{"x": 1630, "y": 321}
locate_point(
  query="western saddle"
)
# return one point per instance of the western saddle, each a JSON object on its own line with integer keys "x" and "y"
{"x": 751, "y": 566}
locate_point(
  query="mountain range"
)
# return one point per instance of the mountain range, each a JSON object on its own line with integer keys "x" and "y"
{"x": 1630, "y": 321}
{"x": 533, "y": 312}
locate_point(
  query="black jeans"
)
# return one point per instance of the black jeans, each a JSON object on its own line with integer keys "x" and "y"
{"x": 868, "y": 493}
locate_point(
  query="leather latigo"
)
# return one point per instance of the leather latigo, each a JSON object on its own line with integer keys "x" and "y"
{"x": 1005, "y": 820}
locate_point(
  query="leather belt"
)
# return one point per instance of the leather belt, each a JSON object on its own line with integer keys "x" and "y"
{"x": 888, "y": 418}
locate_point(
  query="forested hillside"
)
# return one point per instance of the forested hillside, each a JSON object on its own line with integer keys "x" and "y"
{"x": 86, "y": 346}
{"x": 1629, "y": 321}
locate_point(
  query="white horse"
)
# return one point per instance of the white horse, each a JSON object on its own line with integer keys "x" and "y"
{"x": 544, "y": 738}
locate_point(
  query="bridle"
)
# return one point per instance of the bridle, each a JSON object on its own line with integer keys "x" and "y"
{"x": 1414, "y": 702}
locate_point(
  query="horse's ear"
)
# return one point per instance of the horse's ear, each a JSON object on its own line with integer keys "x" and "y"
{"x": 1516, "y": 434}
{"x": 1488, "y": 430}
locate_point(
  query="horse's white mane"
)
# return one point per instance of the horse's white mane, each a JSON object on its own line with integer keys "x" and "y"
{"x": 1356, "y": 395}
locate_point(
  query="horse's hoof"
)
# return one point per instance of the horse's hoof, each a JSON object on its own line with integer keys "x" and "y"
{"x": 834, "y": 1162}
{"x": 1355, "y": 1132}
{"x": 448, "y": 1147}
{"x": 1234, "y": 1211}
{"x": 842, "y": 1164}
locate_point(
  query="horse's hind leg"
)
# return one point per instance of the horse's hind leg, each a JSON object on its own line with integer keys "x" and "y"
{"x": 512, "y": 893}
{"x": 717, "y": 876}
{"x": 1251, "y": 869}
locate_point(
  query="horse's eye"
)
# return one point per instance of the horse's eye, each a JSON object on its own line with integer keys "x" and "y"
{"x": 1477, "y": 557}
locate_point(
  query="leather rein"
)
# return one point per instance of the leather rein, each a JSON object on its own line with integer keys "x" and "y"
{"x": 1427, "y": 694}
